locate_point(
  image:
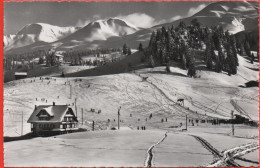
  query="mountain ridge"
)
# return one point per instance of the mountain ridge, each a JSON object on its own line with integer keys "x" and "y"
{"x": 35, "y": 32}
{"x": 114, "y": 32}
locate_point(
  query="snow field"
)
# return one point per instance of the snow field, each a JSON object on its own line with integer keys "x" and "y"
{"x": 89, "y": 149}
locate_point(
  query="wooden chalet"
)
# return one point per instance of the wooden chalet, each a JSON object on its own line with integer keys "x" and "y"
{"x": 59, "y": 58}
{"x": 20, "y": 75}
{"x": 53, "y": 119}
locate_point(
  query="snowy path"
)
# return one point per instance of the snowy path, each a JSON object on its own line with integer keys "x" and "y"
{"x": 148, "y": 162}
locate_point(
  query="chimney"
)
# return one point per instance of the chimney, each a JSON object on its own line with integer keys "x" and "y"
{"x": 35, "y": 107}
{"x": 53, "y": 103}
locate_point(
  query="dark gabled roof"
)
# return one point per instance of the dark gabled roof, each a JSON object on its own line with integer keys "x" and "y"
{"x": 56, "y": 112}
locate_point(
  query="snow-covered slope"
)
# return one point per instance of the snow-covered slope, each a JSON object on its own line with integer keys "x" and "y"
{"x": 210, "y": 95}
{"x": 32, "y": 33}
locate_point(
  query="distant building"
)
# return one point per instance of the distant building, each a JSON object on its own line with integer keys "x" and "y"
{"x": 53, "y": 119}
{"x": 60, "y": 52}
{"x": 203, "y": 46}
{"x": 254, "y": 53}
{"x": 20, "y": 75}
{"x": 59, "y": 58}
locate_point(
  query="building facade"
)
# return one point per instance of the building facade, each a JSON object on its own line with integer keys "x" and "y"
{"x": 53, "y": 119}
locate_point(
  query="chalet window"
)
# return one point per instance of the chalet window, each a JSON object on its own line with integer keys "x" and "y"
{"x": 44, "y": 118}
{"x": 40, "y": 126}
{"x": 52, "y": 125}
{"x": 61, "y": 126}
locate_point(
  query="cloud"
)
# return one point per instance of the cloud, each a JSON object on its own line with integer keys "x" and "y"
{"x": 244, "y": 9}
{"x": 140, "y": 20}
{"x": 81, "y": 23}
{"x": 96, "y": 17}
{"x": 175, "y": 18}
{"x": 194, "y": 10}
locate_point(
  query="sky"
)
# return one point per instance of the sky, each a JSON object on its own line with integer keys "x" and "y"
{"x": 141, "y": 14}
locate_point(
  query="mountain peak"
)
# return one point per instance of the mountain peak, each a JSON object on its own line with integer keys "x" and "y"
{"x": 101, "y": 29}
{"x": 34, "y": 32}
{"x": 115, "y": 20}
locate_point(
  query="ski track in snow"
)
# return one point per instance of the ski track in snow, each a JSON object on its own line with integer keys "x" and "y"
{"x": 226, "y": 158}
{"x": 150, "y": 154}
{"x": 179, "y": 109}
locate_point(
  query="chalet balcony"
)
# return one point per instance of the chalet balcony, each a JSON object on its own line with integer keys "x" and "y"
{"x": 69, "y": 122}
{"x": 54, "y": 129}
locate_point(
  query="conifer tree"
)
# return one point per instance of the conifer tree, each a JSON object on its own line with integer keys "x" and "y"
{"x": 129, "y": 52}
{"x": 152, "y": 39}
{"x": 252, "y": 58}
{"x": 242, "y": 49}
{"x": 208, "y": 54}
{"x": 140, "y": 48}
{"x": 231, "y": 62}
{"x": 184, "y": 62}
{"x": 247, "y": 48}
{"x": 191, "y": 69}
{"x": 170, "y": 46}
{"x": 234, "y": 49}
{"x": 151, "y": 61}
{"x": 125, "y": 49}
{"x": 218, "y": 65}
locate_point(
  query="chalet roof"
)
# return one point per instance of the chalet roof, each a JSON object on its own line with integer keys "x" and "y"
{"x": 58, "y": 55}
{"x": 60, "y": 52}
{"x": 254, "y": 53}
{"x": 21, "y": 73}
{"x": 56, "y": 112}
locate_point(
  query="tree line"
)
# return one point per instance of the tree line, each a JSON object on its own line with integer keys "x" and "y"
{"x": 178, "y": 44}
{"x": 14, "y": 60}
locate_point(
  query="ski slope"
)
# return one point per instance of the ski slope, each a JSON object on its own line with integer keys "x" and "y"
{"x": 204, "y": 98}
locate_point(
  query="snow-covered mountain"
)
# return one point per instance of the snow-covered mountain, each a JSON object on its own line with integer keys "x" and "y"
{"x": 113, "y": 32}
{"x": 32, "y": 33}
{"x": 8, "y": 39}
{"x": 67, "y": 37}
{"x": 234, "y": 16}
{"x": 99, "y": 30}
